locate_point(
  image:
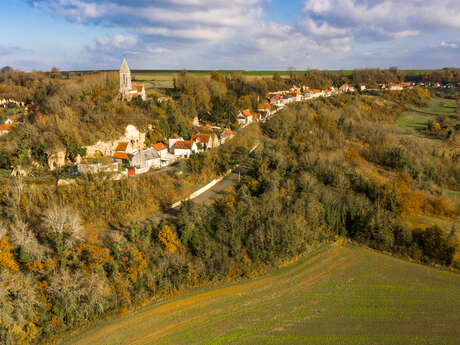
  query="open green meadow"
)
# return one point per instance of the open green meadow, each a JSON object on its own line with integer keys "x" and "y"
{"x": 417, "y": 119}
{"x": 337, "y": 295}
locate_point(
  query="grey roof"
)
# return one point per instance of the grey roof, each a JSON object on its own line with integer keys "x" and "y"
{"x": 124, "y": 66}
{"x": 148, "y": 154}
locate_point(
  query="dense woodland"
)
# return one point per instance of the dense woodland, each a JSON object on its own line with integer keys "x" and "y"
{"x": 325, "y": 169}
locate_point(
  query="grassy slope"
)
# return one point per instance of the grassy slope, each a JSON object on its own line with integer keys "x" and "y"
{"x": 414, "y": 120}
{"x": 417, "y": 119}
{"x": 342, "y": 295}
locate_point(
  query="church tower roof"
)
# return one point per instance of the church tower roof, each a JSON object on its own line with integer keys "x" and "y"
{"x": 124, "y": 67}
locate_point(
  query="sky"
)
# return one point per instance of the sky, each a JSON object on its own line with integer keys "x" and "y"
{"x": 229, "y": 34}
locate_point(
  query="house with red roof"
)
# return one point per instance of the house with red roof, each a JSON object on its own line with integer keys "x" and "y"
{"x": 227, "y": 134}
{"x": 5, "y": 129}
{"x": 124, "y": 146}
{"x": 172, "y": 141}
{"x": 205, "y": 140}
{"x": 161, "y": 149}
{"x": 121, "y": 156}
{"x": 184, "y": 148}
{"x": 264, "y": 108}
{"x": 245, "y": 117}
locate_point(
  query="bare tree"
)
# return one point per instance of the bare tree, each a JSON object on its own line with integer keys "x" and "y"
{"x": 82, "y": 296}
{"x": 63, "y": 226}
{"x": 23, "y": 237}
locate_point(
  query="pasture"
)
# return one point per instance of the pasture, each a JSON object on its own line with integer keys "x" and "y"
{"x": 337, "y": 295}
{"x": 416, "y": 119}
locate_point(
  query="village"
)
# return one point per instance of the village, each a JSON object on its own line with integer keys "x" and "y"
{"x": 129, "y": 155}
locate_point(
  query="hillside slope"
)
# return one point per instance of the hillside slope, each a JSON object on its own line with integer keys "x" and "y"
{"x": 340, "y": 295}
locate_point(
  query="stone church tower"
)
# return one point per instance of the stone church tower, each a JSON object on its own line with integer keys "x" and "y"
{"x": 127, "y": 89}
{"x": 125, "y": 80}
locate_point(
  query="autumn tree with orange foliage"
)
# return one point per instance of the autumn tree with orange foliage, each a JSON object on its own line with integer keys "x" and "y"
{"x": 6, "y": 257}
{"x": 168, "y": 239}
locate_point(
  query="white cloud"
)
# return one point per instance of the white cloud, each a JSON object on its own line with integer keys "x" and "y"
{"x": 449, "y": 44}
{"x": 236, "y": 34}
{"x": 385, "y": 18}
{"x": 322, "y": 29}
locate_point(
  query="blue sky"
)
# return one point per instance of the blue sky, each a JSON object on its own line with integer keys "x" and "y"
{"x": 229, "y": 34}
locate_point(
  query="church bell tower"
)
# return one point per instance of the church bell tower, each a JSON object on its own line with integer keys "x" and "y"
{"x": 125, "y": 79}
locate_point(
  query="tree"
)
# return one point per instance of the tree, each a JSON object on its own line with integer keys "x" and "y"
{"x": 435, "y": 245}
{"x": 63, "y": 227}
{"x": 168, "y": 239}
{"x": 6, "y": 256}
{"x": 5, "y": 69}
{"x": 217, "y": 77}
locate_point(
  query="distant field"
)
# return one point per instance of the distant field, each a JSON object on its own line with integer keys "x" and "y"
{"x": 164, "y": 79}
{"x": 417, "y": 119}
{"x": 340, "y": 295}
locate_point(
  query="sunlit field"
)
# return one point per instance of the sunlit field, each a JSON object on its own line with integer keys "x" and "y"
{"x": 338, "y": 295}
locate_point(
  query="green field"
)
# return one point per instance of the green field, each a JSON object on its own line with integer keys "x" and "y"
{"x": 338, "y": 295}
{"x": 417, "y": 119}
{"x": 164, "y": 79}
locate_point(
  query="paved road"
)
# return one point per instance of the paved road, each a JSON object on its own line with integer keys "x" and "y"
{"x": 210, "y": 195}
{"x": 204, "y": 199}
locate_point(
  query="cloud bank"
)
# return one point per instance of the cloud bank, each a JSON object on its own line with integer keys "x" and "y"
{"x": 237, "y": 34}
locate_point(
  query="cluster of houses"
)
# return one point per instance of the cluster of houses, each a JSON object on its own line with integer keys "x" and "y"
{"x": 279, "y": 99}
{"x": 4, "y": 102}
{"x": 11, "y": 121}
{"x": 161, "y": 155}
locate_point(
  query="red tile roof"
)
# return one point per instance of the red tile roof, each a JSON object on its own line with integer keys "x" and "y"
{"x": 184, "y": 145}
{"x": 264, "y": 106}
{"x": 137, "y": 88}
{"x": 246, "y": 112}
{"x": 202, "y": 137}
{"x": 159, "y": 147}
{"x": 16, "y": 118}
{"x": 122, "y": 146}
{"x": 6, "y": 127}
{"x": 121, "y": 155}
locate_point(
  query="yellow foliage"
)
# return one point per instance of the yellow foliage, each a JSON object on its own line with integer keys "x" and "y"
{"x": 353, "y": 155}
{"x": 56, "y": 323}
{"x": 168, "y": 239}
{"x": 445, "y": 207}
{"x": 31, "y": 331}
{"x": 6, "y": 257}
{"x": 136, "y": 265}
{"x": 436, "y": 126}
{"x": 230, "y": 201}
{"x": 95, "y": 255}
{"x": 51, "y": 264}
{"x": 253, "y": 185}
{"x": 35, "y": 266}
